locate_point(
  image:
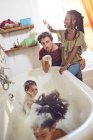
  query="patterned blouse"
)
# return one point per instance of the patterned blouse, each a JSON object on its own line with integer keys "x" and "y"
{"x": 67, "y": 46}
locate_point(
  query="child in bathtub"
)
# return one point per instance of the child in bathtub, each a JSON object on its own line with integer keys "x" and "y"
{"x": 31, "y": 90}
{"x": 46, "y": 111}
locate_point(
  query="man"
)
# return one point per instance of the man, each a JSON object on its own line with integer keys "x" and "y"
{"x": 55, "y": 51}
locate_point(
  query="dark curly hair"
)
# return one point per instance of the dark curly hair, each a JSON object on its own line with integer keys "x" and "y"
{"x": 28, "y": 84}
{"x": 79, "y": 19}
{"x": 52, "y": 104}
{"x": 43, "y": 35}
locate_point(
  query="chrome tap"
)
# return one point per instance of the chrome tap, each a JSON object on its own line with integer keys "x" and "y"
{"x": 4, "y": 79}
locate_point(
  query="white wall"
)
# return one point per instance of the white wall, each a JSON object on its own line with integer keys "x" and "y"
{"x": 15, "y": 10}
{"x": 23, "y": 60}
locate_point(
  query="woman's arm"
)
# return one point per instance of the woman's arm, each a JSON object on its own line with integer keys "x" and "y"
{"x": 70, "y": 59}
{"x": 82, "y": 64}
{"x": 71, "y": 56}
{"x": 52, "y": 30}
{"x": 49, "y": 26}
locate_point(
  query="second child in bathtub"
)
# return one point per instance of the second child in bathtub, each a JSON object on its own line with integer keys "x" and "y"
{"x": 31, "y": 91}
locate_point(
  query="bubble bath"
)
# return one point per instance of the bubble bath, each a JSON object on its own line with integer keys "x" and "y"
{"x": 78, "y": 122}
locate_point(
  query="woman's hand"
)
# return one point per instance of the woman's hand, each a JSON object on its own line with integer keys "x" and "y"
{"x": 62, "y": 69}
{"x": 82, "y": 64}
{"x": 50, "y": 28}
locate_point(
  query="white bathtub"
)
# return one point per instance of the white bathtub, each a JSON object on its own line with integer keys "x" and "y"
{"x": 79, "y": 119}
{"x": 88, "y": 77}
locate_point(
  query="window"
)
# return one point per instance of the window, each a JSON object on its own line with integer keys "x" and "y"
{"x": 53, "y": 12}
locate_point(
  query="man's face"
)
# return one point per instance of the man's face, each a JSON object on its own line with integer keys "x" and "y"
{"x": 47, "y": 44}
{"x": 43, "y": 133}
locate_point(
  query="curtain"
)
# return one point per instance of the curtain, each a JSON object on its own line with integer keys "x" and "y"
{"x": 88, "y": 6}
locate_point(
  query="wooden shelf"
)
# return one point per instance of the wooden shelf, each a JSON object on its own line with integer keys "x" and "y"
{"x": 19, "y": 48}
{"x": 4, "y": 31}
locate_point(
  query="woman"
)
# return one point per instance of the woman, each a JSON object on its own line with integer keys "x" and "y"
{"x": 73, "y": 43}
{"x": 45, "y": 113}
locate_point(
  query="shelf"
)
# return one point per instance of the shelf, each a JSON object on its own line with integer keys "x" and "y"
{"x": 19, "y": 48}
{"x": 13, "y": 29}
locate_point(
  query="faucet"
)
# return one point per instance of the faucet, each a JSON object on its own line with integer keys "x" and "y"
{"x": 4, "y": 79}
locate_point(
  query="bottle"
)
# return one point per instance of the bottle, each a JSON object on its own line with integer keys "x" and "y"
{"x": 17, "y": 42}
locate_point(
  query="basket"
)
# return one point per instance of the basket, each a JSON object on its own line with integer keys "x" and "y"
{"x": 25, "y": 21}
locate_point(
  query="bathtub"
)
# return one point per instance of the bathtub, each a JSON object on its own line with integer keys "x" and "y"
{"x": 79, "y": 118}
{"x": 88, "y": 77}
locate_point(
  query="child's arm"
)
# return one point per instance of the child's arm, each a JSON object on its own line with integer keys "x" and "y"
{"x": 25, "y": 105}
{"x": 59, "y": 133}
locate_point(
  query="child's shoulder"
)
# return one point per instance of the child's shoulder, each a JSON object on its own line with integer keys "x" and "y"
{"x": 59, "y": 133}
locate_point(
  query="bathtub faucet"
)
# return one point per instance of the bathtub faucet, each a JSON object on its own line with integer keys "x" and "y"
{"x": 4, "y": 79}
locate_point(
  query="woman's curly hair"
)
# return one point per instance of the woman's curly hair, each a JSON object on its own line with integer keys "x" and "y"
{"x": 52, "y": 104}
{"x": 79, "y": 19}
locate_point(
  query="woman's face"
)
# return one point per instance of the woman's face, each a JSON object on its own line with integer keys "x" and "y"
{"x": 69, "y": 21}
{"x": 43, "y": 133}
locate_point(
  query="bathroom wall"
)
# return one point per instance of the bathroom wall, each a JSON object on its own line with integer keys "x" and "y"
{"x": 15, "y": 10}
{"x": 23, "y": 60}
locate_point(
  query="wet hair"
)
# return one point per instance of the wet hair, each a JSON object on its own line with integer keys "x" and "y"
{"x": 49, "y": 109}
{"x": 79, "y": 19}
{"x": 28, "y": 84}
{"x": 43, "y": 35}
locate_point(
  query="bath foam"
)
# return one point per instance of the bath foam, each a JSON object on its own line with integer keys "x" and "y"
{"x": 79, "y": 96}
{"x": 20, "y": 129}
